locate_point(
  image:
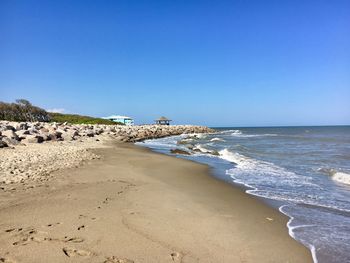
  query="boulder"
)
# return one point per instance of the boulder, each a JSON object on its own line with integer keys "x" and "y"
{"x": 10, "y": 127}
{"x": 178, "y": 151}
{"x": 69, "y": 135}
{"x": 90, "y": 133}
{"x": 3, "y": 144}
{"x": 22, "y": 126}
{"x": 22, "y": 133}
{"x": 33, "y": 139}
{"x": 9, "y": 134}
{"x": 54, "y": 136}
{"x": 10, "y": 141}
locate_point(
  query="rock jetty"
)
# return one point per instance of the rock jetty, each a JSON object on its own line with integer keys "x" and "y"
{"x": 31, "y": 151}
{"x": 24, "y": 133}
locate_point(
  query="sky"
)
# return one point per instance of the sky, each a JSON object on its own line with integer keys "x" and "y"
{"x": 216, "y": 63}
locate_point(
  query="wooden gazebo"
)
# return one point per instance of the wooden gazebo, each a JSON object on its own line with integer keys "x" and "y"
{"x": 163, "y": 121}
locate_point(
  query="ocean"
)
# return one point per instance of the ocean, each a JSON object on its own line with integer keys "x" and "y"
{"x": 302, "y": 171}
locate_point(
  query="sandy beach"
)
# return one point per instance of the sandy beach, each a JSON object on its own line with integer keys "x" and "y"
{"x": 133, "y": 205}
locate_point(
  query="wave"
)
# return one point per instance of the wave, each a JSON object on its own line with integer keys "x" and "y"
{"x": 216, "y": 139}
{"x": 253, "y": 135}
{"x": 239, "y": 133}
{"x": 196, "y": 135}
{"x": 236, "y": 132}
{"x": 292, "y": 233}
{"x": 247, "y": 164}
{"x": 341, "y": 177}
{"x": 201, "y": 148}
{"x": 338, "y": 176}
{"x": 235, "y": 158}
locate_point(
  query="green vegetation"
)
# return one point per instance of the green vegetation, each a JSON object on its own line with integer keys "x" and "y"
{"x": 79, "y": 119}
{"x": 22, "y": 110}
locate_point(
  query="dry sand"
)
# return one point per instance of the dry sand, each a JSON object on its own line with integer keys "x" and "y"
{"x": 133, "y": 205}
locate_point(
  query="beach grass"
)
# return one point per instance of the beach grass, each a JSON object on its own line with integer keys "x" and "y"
{"x": 80, "y": 119}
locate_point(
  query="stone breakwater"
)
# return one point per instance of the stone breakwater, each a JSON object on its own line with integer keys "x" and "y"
{"x": 24, "y": 133}
{"x": 32, "y": 151}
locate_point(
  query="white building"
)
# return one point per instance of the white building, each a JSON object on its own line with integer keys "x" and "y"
{"x": 123, "y": 119}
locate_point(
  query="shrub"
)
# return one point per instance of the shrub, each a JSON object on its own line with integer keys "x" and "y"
{"x": 22, "y": 110}
{"x": 79, "y": 119}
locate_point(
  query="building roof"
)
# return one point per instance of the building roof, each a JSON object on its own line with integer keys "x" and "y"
{"x": 163, "y": 119}
{"x": 117, "y": 117}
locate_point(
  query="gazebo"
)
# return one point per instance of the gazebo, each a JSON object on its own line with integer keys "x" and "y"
{"x": 163, "y": 121}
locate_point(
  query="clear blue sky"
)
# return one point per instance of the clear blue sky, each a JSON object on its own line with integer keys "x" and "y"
{"x": 218, "y": 63}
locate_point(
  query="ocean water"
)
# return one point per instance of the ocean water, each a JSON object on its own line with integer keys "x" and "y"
{"x": 302, "y": 171}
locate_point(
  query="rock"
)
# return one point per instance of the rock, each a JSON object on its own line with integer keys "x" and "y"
{"x": 54, "y": 136}
{"x": 69, "y": 135}
{"x": 22, "y": 126}
{"x": 46, "y": 136}
{"x": 10, "y": 141}
{"x": 44, "y": 130}
{"x": 10, "y": 127}
{"x": 33, "y": 139}
{"x": 3, "y": 144}
{"x": 184, "y": 141}
{"x": 10, "y": 134}
{"x": 214, "y": 152}
{"x": 178, "y": 151}
{"x": 90, "y": 133}
{"x": 22, "y": 134}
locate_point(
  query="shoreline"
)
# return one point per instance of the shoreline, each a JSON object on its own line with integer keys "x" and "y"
{"x": 161, "y": 209}
{"x": 246, "y": 189}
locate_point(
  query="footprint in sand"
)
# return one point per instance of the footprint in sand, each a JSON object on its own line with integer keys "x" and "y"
{"x": 73, "y": 239}
{"x": 13, "y": 229}
{"x": 6, "y": 260}
{"x": 71, "y": 252}
{"x": 175, "y": 256}
{"x": 29, "y": 235}
{"x": 114, "y": 259}
{"x": 84, "y": 216}
{"x": 51, "y": 225}
{"x": 106, "y": 200}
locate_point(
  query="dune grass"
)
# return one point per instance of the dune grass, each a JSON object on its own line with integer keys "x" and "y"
{"x": 79, "y": 119}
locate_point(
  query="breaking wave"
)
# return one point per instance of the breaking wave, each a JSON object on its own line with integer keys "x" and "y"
{"x": 341, "y": 177}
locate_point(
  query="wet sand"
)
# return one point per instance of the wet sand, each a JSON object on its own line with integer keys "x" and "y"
{"x": 133, "y": 205}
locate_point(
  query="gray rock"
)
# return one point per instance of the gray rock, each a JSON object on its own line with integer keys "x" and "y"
{"x": 33, "y": 139}
{"x": 178, "y": 151}
{"x": 10, "y": 141}
{"x": 9, "y": 134}
{"x": 69, "y": 135}
{"x": 3, "y": 144}
{"x": 90, "y": 133}
{"x": 22, "y": 134}
{"x": 22, "y": 126}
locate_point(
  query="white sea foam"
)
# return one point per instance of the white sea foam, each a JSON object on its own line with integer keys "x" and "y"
{"x": 233, "y": 157}
{"x": 252, "y": 135}
{"x": 216, "y": 139}
{"x": 341, "y": 177}
{"x": 239, "y": 133}
{"x": 292, "y": 234}
{"x": 337, "y": 176}
{"x": 201, "y": 149}
{"x": 197, "y": 135}
{"x": 252, "y": 170}
{"x": 236, "y": 132}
